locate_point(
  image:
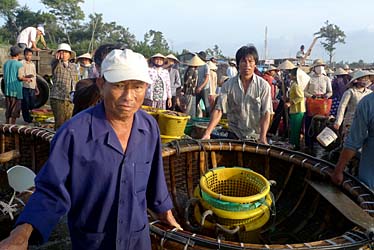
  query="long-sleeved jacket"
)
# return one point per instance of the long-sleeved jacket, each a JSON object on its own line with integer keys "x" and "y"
{"x": 104, "y": 190}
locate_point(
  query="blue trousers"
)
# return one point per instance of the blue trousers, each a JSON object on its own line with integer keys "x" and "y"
{"x": 27, "y": 104}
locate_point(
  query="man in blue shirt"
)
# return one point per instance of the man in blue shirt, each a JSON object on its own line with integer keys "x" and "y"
{"x": 361, "y": 135}
{"x": 105, "y": 169}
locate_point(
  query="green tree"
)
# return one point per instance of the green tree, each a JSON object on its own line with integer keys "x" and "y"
{"x": 68, "y": 14}
{"x": 153, "y": 42}
{"x": 7, "y": 13}
{"x": 332, "y": 35}
{"x": 214, "y": 52}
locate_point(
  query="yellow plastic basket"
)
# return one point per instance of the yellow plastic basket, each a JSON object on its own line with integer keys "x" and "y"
{"x": 237, "y": 185}
{"x": 249, "y": 224}
{"x": 168, "y": 138}
{"x": 172, "y": 123}
{"x": 235, "y": 215}
{"x": 150, "y": 110}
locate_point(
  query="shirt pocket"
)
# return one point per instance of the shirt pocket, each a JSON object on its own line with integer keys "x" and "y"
{"x": 142, "y": 171}
{"x": 87, "y": 240}
{"x": 255, "y": 104}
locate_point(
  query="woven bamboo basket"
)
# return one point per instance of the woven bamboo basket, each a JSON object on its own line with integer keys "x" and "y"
{"x": 301, "y": 219}
{"x": 20, "y": 145}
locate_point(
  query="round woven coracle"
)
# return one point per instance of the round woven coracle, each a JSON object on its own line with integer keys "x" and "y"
{"x": 238, "y": 185}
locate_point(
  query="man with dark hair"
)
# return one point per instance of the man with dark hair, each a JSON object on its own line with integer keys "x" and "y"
{"x": 13, "y": 86}
{"x": 246, "y": 98}
{"x": 300, "y": 54}
{"x": 87, "y": 92}
{"x": 30, "y": 88}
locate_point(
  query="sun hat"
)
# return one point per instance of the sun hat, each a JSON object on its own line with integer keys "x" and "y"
{"x": 202, "y": 55}
{"x": 171, "y": 56}
{"x": 195, "y": 61}
{"x": 123, "y": 65}
{"x": 212, "y": 65}
{"x": 329, "y": 71}
{"x": 358, "y": 74}
{"x": 271, "y": 68}
{"x": 318, "y": 62}
{"x": 158, "y": 55}
{"x": 232, "y": 62}
{"x": 286, "y": 65}
{"x": 85, "y": 55}
{"x": 340, "y": 72}
{"x": 66, "y": 47}
{"x": 41, "y": 28}
{"x": 346, "y": 67}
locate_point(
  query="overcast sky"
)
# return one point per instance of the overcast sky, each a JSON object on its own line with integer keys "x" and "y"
{"x": 199, "y": 24}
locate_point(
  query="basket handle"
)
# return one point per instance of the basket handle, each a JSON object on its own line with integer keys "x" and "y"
{"x": 192, "y": 202}
{"x": 219, "y": 226}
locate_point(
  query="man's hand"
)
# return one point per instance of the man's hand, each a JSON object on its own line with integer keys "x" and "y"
{"x": 168, "y": 218}
{"x": 264, "y": 141}
{"x": 206, "y": 136}
{"x": 337, "y": 177}
{"x": 18, "y": 238}
{"x": 197, "y": 90}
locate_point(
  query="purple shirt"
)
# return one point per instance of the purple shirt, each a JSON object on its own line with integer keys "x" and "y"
{"x": 339, "y": 86}
{"x": 104, "y": 190}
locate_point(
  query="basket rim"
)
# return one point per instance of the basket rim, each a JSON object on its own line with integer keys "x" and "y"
{"x": 187, "y": 117}
{"x": 246, "y": 199}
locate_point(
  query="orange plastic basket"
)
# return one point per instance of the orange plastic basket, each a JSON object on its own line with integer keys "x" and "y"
{"x": 318, "y": 106}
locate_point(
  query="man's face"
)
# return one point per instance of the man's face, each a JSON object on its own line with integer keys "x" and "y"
{"x": 247, "y": 67}
{"x": 28, "y": 56}
{"x": 123, "y": 99}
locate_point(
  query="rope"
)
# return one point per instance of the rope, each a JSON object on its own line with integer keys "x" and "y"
{"x": 8, "y": 209}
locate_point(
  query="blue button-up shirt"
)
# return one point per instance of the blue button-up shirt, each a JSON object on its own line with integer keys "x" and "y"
{"x": 105, "y": 191}
{"x": 361, "y": 135}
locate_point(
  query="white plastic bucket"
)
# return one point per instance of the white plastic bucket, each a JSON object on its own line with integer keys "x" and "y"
{"x": 326, "y": 137}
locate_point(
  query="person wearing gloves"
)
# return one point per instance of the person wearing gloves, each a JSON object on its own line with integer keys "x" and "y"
{"x": 105, "y": 169}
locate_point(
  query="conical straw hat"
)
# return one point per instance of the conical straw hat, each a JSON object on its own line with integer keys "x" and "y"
{"x": 195, "y": 61}
{"x": 286, "y": 65}
{"x": 171, "y": 56}
{"x": 340, "y": 72}
{"x": 158, "y": 55}
{"x": 360, "y": 73}
{"x": 302, "y": 78}
{"x": 271, "y": 68}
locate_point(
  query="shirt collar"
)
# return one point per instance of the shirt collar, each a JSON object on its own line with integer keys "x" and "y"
{"x": 101, "y": 126}
{"x": 254, "y": 79}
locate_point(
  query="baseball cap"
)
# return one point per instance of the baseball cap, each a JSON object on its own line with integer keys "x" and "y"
{"x": 15, "y": 50}
{"x": 41, "y": 28}
{"x": 123, "y": 65}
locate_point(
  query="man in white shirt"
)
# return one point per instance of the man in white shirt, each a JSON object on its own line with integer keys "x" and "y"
{"x": 231, "y": 70}
{"x": 28, "y": 36}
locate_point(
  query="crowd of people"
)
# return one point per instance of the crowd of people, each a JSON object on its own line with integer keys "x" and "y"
{"x": 119, "y": 144}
